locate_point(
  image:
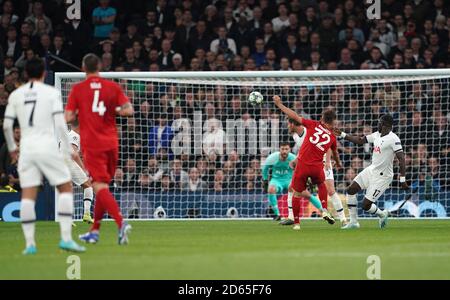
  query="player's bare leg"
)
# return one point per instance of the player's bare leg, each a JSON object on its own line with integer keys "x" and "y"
{"x": 272, "y": 191}
{"x": 88, "y": 196}
{"x": 373, "y": 209}
{"x": 352, "y": 204}
{"x": 337, "y": 203}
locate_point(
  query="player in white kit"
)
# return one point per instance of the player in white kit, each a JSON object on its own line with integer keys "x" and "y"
{"x": 39, "y": 110}
{"x": 329, "y": 182}
{"x": 377, "y": 177}
{"x": 78, "y": 173}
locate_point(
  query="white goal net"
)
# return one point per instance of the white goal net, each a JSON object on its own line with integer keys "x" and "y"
{"x": 195, "y": 146}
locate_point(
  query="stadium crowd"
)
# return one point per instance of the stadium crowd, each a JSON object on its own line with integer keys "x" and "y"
{"x": 246, "y": 35}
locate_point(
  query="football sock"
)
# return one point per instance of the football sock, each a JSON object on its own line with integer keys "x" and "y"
{"x": 88, "y": 195}
{"x": 352, "y": 208}
{"x": 316, "y": 202}
{"x": 323, "y": 194}
{"x": 296, "y": 209}
{"x": 337, "y": 204}
{"x": 99, "y": 211}
{"x": 375, "y": 210}
{"x": 28, "y": 219}
{"x": 289, "y": 201}
{"x": 65, "y": 211}
{"x": 108, "y": 204}
{"x": 274, "y": 204}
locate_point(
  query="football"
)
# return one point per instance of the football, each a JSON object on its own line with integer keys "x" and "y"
{"x": 255, "y": 98}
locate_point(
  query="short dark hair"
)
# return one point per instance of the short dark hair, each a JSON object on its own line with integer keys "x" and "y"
{"x": 387, "y": 120}
{"x": 35, "y": 68}
{"x": 91, "y": 63}
{"x": 328, "y": 116}
{"x": 285, "y": 143}
{"x": 292, "y": 121}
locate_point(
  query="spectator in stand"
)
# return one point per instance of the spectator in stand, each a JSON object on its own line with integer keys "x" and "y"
{"x": 194, "y": 183}
{"x": 130, "y": 176}
{"x": 58, "y": 50}
{"x": 250, "y": 181}
{"x": 37, "y": 15}
{"x": 11, "y": 45}
{"x": 219, "y": 185}
{"x": 350, "y": 174}
{"x": 223, "y": 44}
{"x": 103, "y": 18}
{"x": 154, "y": 171}
{"x": 292, "y": 51}
{"x": 8, "y": 12}
{"x": 160, "y": 136}
{"x": 356, "y": 32}
{"x": 165, "y": 56}
{"x": 199, "y": 38}
{"x": 259, "y": 55}
{"x": 165, "y": 185}
{"x": 376, "y": 60}
{"x": 177, "y": 175}
{"x": 346, "y": 62}
{"x": 282, "y": 21}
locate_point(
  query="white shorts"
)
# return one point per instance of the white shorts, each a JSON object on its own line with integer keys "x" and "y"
{"x": 76, "y": 172}
{"x": 374, "y": 184}
{"x": 329, "y": 175}
{"x": 33, "y": 166}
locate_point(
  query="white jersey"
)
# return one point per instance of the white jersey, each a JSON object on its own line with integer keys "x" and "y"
{"x": 299, "y": 139}
{"x": 74, "y": 139}
{"x": 34, "y": 104}
{"x": 384, "y": 149}
{"x": 38, "y": 108}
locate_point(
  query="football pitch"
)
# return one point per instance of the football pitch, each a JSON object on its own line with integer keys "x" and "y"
{"x": 408, "y": 249}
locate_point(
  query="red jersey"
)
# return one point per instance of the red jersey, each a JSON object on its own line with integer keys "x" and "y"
{"x": 317, "y": 142}
{"x": 96, "y": 100}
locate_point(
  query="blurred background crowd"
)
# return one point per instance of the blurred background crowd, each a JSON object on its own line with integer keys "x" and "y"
{"x": 235, "y": 35}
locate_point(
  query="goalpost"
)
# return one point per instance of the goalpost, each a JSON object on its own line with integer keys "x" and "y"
{"x": 195, "y": 146}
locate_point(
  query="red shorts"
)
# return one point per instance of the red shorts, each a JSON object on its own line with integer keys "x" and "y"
{"x": 101, "y": 164}
{"x": 303, "y": 172}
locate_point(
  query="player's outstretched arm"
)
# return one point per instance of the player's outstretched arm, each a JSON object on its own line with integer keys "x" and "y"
{"x": 125, "y": 110}
{"x": 351, "y": 138}
{"x": 402, "y": 164}
{"x": 289, "y": 112}
{"x": 335, "y": 155}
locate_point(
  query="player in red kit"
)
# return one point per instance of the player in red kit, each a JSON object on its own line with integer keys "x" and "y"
{"x": 96, "y": 102}
{"x": 318, "y": 140}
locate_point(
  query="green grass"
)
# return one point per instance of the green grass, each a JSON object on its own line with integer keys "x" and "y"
{"x": 409, "y": 249}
